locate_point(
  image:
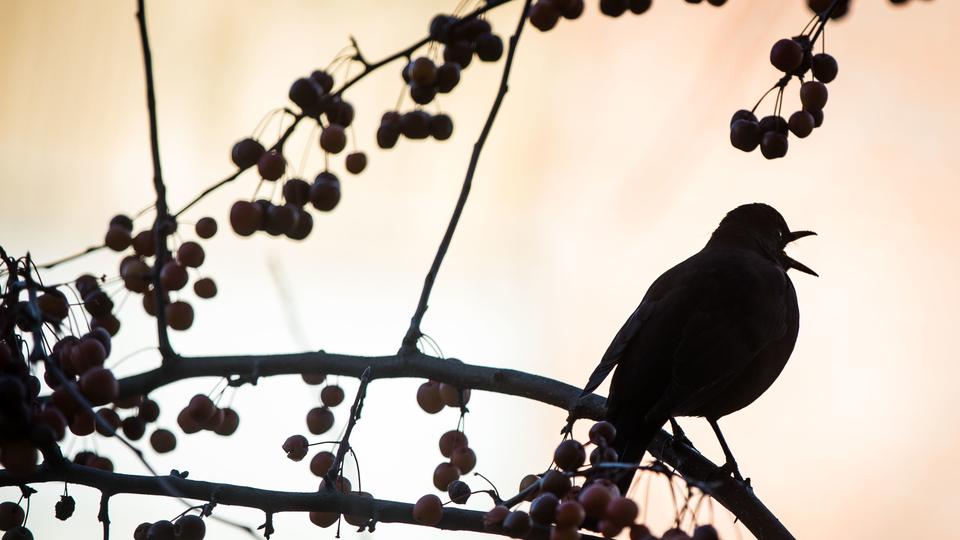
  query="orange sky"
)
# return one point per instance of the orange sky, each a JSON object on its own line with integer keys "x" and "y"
{"x": 608, "y": 164}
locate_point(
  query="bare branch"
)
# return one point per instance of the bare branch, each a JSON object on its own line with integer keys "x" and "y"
{"x": 694, "y": 467}
{"x": 266, "y": 500}
{"x": 413, "y": 332}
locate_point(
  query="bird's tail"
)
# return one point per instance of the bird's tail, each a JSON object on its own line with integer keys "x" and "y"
{"x": 631, "y": 443}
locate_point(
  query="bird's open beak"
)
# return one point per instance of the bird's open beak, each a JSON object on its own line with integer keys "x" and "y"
{"x": 790, "y": 263}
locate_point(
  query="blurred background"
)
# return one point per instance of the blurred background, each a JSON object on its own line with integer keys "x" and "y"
{"x": 608, "y": 164}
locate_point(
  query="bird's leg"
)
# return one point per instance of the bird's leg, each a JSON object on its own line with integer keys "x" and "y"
{"x": 731, "y": 464}
{"x": 679, "y": 437}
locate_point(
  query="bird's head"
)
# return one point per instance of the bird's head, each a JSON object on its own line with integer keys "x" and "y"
{"x": 760, "y": 227}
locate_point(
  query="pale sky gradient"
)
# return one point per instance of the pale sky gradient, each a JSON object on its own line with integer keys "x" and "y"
{"x": 608, "y": 164}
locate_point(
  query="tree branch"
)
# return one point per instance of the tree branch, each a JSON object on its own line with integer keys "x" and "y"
{"x": 694, "y": 467}
{"x": 163, "y": 219}
{"x": 268, "y": 501}
{"x": 413, "y": 332}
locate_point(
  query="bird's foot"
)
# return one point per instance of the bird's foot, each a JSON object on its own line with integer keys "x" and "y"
{"x": 730, "y": 468}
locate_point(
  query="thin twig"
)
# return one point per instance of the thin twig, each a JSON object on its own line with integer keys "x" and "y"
{"x": 163, "y": 219}
{"x": 413, "y": 332}
{"x": 344, "y": 445}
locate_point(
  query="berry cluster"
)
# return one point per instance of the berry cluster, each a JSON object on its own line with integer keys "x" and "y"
{"x": 187, "y": 527}
{"x": 137, "y": 273}
{"x": 564, "y": 507}
{"x": 201, "y": 413}
{"x": 12, "y": 518}
{"x": 795, "y": 58}
{"x": 414, "y": 125}
{"x": 545, "y": 14}
{"x": 320, "y": 419}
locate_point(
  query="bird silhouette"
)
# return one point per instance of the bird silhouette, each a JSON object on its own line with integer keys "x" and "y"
{"x": 709, "y": 337}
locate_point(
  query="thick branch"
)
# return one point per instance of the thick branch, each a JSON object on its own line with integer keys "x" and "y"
{"x": 413, "y": 332}
{"x": 269, "y": 501}
{"x": 694, "y": 467}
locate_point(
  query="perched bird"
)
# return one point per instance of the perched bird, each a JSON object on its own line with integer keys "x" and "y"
{"x": 709, "y": 337}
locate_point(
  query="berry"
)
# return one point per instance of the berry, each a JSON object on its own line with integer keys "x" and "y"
{"x": 824, "y": 67}
{"x": 161, "y": 530}
{"x": 428, "y": 397}
{"x": 745, "y": 135}
{"x": 271, "y": 165}
{"x": 609, "y": 529}
{"x": 340, "y": 112}
{"x": 489, "y": 47}
{"x": 324, "y": 519}
{"x": 333, "y": 138}
{"x": 595, "y": 499}
{"x": 448, "y": 76}
{"x": 190, "y": 254}
{"x": 388, "y": 135}
{"x": 190, "y": 527}
{"x": 187, "y": 423}
{"x": 201, "y": 408}
{"x": 230, "y": 423}
{"x": 246, "y": 153}
{"x": 97, "y": 303}
{"x": 143, "y": 245}
{"x": 443, "y": 475}
{"x": 356, "y": 162}
{"x": 453, "y": 396}
{"x": 603, "y": 454}
{"x": 173, "y": 276}
{"x": 543, "y": 508}
{"x": 460, "y": 52}
{"x": 302, "y": 227}
{"x": 325, "y": 192}
{"x": 569, "y": 455}
{"x": 280, "y": 218}
{"x": 786, "y": 55}
{"x": 296, "y": 447}
{"x": 428, "y": 510}
{"x": 163, "y": 441}
{"x": 526, "y": 482}
{"x": 305, "y": 93}
{"x": 117, "y": 238}
{"x": 19, "y": 458}
{"x": 324, "y": 79}
{"x": 423, "y": 71}
{"x": 321, "y": 462}
{"x": 555, "y": 482}
{"x": 54, "y": 305}
{"x": 313, "y": 378}
{"x": 422, "y": 95}
{"x": 441, "y": 127}
{"x": 11, "y": 515}
{"x": 773, "y": 145}
{"x": 99, "y": 386}
{"x": 544, "y": 16}
{"x": 148, "y": 410}
{"x": 464, "y": 459}
{"x": 122, "y": 221}
{"x": 572, "y": 9}
{"x": 458, "y": 491}
{"x": 602, "y": 433}
{"x": 332, "y": 395}
{"x": 570, "y": 514}
{"x": 319, "y": 420}
{"x": 494, "y": 518}
{"x": 622, "y": 511}
{"x": 639, "y": 7}
{"x": 415, "y": 125}
{"x": 179, "y": 315}
{"x": 813, "y": 95}
{"x": 451, "y": 441}
{"x": 613, "y": 8}
{"x": 245, "y": 217}
{"x": 773, "y": 123}
{"x": 517, "y": 524}
{"x": 801, "y": 123}
{"x": 705, "y": 532}
{"x": 296, "y": 191}
{"x": 205, "y": 288}
{"x": 133, "y": 427}
{"x": 743, "y": 114}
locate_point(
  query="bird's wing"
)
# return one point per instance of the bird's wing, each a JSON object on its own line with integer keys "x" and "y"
{"x": 619, "y": 345}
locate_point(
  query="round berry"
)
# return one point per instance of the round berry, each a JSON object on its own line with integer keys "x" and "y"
{"x": 517, "y": 524}
{"x": 206, "y": 227}
{"x": 773, "y": 145}
{"x": 163, "y": 441}
{"x": 801, "y": 123}
{"x": 570, "y": 514}
{"x": 544, "y": 16}
{"x": 296, "y": 447}
{"x": 190, "y": 254}
{"x": 271, "y": 165}
{"x": 333, "y": 138}
{"x": 458, "y": 491}
{"x": 117, "y": 238}
{"x": 448, "y": 76}
{"x": 356, "y": 162}
{"x": 321, "y": 462}
{"x": 813, "y": 95}
{"x": 602, "y": 433}
{"x": 325, "y": 192}
{"x": 824, "y": 67}
{"x": 444, "y": 474}
{"x": 246, "y": 153}
{"x": 464, "y": 459}
{"x": 428, "y": 397}
{"x": 569, "y": 455}
{"x": 245, "y": 217}
{"x": 428, "y": 510}
{"x": 319, "y": 420}
{"x": 489, "y": 47}
{"x": 452, "y": 440}
{"x": 205, "y": 288}
{"x": 786, "y": 55}
{"x": 542, "y": 508}
{"x": 423, "y": 71}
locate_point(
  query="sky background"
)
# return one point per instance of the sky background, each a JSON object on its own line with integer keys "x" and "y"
{"x": 608, "y": 164}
